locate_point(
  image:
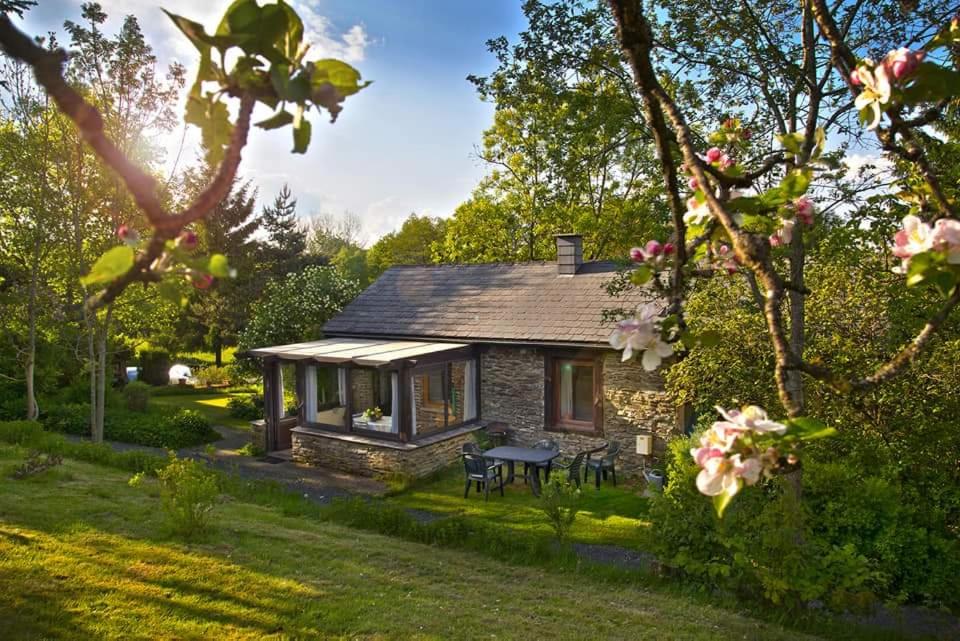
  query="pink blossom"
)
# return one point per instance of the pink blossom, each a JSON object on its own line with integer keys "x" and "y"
{"x": 187, "y": 241}
{"x": 855, "y": 78}
{"x": 902, "y": 62}
{"x": 641, "y": 334}
{"x": 692, "y": 183}
{"x": 128, "y": 235}
{"x": 916, "y": 237}
{"x": 714, "y": 154}
{"x": 803, "y": 207}
{"x": 750, "y": 417}
{"x": 946, "y": 238}
{"x": 637, "y": 255}
{"x": 654, "y": 248}
{"x": 725, "y": 161}
{"x": 668, "y": 249}
{"x": 697, "y": 212}
{"x": 775, "y": 240}
{"x": 201, "y": 281}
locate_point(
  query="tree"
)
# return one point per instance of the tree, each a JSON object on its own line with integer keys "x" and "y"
{"x": 568, "y": 150}
{"x": 295, "y": 307}
{"x": 909, "y": 91}
{"x": 329, "y": 234}
{"x": 286, "y": 236}
{"x": 413, "y": 244}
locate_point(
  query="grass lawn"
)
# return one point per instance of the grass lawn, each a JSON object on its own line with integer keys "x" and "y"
{"x": 212, "y": 404}
{"x": 610, "y": 515}
{"x": 83, "y": 555}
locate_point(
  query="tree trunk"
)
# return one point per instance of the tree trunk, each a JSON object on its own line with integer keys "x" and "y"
{"x": 99, "y": 366}
{"x": 217, "y": 348}
{"x": 33, "y": 410}
{"x": 796, "y": 297}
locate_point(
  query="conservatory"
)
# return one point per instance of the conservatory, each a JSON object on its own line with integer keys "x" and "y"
{"x": 368, "y": 406}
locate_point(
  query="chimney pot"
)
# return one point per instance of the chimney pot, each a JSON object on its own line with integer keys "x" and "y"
{"x": 569, "y": 253}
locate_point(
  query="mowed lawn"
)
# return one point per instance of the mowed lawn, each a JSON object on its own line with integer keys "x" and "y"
{"x": 608, "y": 516}
{"x": 212, "y": 404}
{"x": 83, "y": 555}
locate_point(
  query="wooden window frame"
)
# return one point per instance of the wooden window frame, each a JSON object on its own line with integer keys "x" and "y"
{"x": 552, "y": 422}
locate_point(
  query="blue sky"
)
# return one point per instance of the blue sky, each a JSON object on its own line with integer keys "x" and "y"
{"x": 404, "y": 144}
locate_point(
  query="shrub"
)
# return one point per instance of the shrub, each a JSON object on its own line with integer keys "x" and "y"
{"x": 72, "y": 418}
{"x": 212, "y": 375}
{"x": 13, "y": 409}
{"x": 251, "y": 449}
{"x": 20, "y": 432}
{"x": 853, "y": 539}
{"x": 155, "y": 366}
{"x": 560, "y": 502}
{"x": 188, "y": 493}
{"x": 245, "y": 407}
{"x": 183, "y": 428}
{"x": 137, "y": 395}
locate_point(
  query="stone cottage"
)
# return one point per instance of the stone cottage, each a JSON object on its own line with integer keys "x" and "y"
{"x": 427, "y": 355}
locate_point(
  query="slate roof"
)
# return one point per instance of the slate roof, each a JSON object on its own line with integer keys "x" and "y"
{"x": 500, "y": 302}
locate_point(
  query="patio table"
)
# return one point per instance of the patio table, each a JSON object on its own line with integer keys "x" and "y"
{"x": 514, "y": 455}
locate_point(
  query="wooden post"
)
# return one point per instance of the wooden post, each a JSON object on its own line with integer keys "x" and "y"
{"x": 405, "y": 408}
{"x": 270, "y": 417}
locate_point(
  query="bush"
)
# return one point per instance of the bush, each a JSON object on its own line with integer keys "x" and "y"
{"x": 155, "y": 366}
{"x": 247, "y": 407}
{"x": 13, "y": 409}
{"x": 183, "y": 428}
{"x": 855, "y": 538}
{"x": 20, "y": 432}
{"x": 188, "y": 493}
{"x": 137, "y": 395}
{"x": 72, "y": 418}
{"x": 212, "y": 375}
{"x": 560, "y": 502}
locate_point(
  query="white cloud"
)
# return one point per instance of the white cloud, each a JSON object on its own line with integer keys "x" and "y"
{"x": 350, "y": 46}
{"x": 869, "y": 164}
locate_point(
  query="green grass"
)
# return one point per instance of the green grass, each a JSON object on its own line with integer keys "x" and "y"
{"x": 212, "y": 404}
{"x": 610, "y": 515}
{"x": 83, "y": 555}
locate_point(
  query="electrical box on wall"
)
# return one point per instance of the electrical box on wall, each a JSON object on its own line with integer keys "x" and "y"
{"x": 645, "y": 444}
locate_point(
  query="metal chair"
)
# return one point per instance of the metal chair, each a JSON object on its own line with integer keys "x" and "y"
{"x": 574, "y": 466}
{"x": 470, "y": 448}
{"x": 545, "y": 444}
{"x": 605, "y": 464}
{"x": 480, "y": 470}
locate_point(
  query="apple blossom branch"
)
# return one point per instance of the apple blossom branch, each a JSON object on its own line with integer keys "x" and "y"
{"x": 845, "y": 63}
{"x": 752, "y": 250}
{"x": 48, "y": 69}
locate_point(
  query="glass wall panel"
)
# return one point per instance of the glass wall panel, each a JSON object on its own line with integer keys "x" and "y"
{"x": 444, "y": 396}
{"x": 428, "y": 404}
{"x": 374, "y": 396}
{"x": 325, "y": 395}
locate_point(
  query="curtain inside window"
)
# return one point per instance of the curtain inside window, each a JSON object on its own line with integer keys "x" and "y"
{"x": 470, "y": 391}
{"x": 413, "y": 407}
{"x": 281, "y": 407}
{"x": 394, "y": 402}
{"x": 342, "y": 385}
{"x": 310, "y": 393}
{"x": 566, "y": 390}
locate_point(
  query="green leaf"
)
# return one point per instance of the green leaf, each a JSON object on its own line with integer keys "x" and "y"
{"x": 944, "y": 280}
{"x": 277, "y": 120}
{"x": 641, "y": 275}
{"x": 113, "y": 264}
{"x": 216, "y": 131}
{"x": 293, "y": 38}
{"x": 808, "y": 428}
{"x": 722, "y": 501}
{"x": 219, "y": 266}
{"x": 796, "y": 183}
{"x": 792, "y": 143}
{"x": 932, "y": 83}
{"x": 920, "y": 267}
{"x": 169, "y": 290}
{"x": 194, "y": 31}
{"x": 301, "y": 136}
{"x": 344, "y": 78}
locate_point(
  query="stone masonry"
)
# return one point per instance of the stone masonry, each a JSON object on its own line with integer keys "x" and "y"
{"x": 512, "y": 391}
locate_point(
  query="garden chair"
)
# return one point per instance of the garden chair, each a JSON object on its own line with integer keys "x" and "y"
{"x": 606, "y": 464}
{"x": 482, "y": 471}
{"x": 545, "y": 444}
{"x": 471, "y": 448}
{"x": 574, "y": 466}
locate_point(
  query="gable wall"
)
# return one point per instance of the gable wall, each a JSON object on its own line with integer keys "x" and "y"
{"x": 512, "y": 391}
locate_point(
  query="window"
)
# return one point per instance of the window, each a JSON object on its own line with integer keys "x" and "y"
{"x": 433, "y": 389}
{"x": 324, "y": 395}
{"x": 573, "y": 394}
{"x": 444, "y": 396}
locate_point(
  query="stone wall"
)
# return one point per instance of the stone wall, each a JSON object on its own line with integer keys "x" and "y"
{"x": 366, "y": 457}
{"x": 362, "y": 390}
{"x": 512, "y": 391}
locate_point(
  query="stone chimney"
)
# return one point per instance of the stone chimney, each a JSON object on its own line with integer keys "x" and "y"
{"x": 569, "y": 253}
